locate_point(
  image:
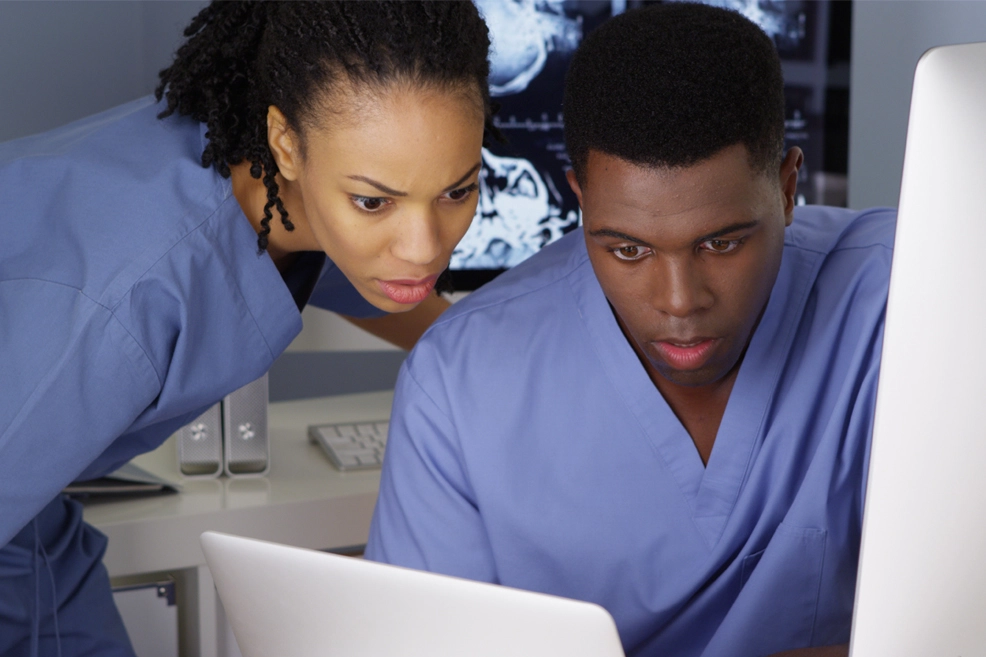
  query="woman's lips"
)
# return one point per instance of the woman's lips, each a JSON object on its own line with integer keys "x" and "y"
{"x": 685, "y": 354}
{"x": 408, "y": 291}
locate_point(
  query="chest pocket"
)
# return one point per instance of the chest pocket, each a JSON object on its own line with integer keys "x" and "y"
{"x": 777, "y": 605}
{"x": 749, "y": 563}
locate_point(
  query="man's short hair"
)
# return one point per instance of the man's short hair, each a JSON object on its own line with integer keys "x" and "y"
{"x": 671, "y": 85}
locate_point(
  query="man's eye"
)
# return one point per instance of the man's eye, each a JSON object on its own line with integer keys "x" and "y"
{"x": 720, "y": 246}
{"x": 369, "y": 203}
{"x": 629, "y": 252}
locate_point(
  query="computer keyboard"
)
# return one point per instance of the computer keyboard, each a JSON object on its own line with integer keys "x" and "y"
{"x": 352, "y": 445}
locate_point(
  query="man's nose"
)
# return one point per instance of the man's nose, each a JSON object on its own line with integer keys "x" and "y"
{"x": 681, "y": 289}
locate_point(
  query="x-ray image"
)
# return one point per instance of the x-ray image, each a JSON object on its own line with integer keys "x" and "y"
{"x": 516, "y": 217}
{"x": 524, "y": 32}
{"x": 785, "y": 21}
{"x": 525, "y": 202}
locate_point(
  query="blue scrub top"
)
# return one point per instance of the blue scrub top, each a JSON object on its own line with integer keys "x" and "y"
{"x": 529, "y": 447}
{"x": 132, "y": 298}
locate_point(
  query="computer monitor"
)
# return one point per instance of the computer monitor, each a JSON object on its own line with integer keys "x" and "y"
{"x": 922, "y": 573}
{"x": 525, "y": 202}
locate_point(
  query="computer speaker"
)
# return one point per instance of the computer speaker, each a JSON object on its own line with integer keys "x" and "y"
{"x": 200, "y": 445}
{"x": 246, "y": 448}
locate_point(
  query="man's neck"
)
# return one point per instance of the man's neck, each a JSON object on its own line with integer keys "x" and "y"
{"x": 699, "y": 409}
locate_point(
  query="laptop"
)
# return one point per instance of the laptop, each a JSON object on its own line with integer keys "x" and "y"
{"x": 300, "y": 602}
{"x": 922, "y": 572}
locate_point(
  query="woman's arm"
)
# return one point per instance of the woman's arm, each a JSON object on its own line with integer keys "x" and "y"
{"x": 403, "y": 329}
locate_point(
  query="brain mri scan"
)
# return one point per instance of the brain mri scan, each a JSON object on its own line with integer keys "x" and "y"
{"x": 525, "y": 202}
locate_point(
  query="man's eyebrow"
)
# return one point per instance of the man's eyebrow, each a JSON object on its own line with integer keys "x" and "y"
{"x": 732, "y": 228}
{"x": 615, "y": 234}
{"x": 727, "y": 230}
{"x": 393, "y": 192}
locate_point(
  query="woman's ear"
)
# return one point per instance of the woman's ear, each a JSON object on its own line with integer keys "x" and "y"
{"x": 284, "y": 144}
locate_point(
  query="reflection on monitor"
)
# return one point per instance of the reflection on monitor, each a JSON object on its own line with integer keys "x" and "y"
{"x": 525, "y": 202}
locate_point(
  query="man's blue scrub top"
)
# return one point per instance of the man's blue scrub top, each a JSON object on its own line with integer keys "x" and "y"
{"x": 529, "y": 447}
{"x": 132, "y": 298}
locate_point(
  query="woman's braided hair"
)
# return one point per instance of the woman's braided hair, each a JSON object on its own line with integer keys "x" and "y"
{"x": 242, "y": 57}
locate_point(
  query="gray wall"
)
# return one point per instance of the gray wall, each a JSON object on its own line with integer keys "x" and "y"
{"x": 62, "y": 60}
{"x": 888, "y": 38}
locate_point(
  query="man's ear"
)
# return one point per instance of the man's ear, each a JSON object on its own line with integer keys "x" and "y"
{"x": 788, "y": 178}
{"x": 284, "y": 144}
{"x": 573, "y": 182}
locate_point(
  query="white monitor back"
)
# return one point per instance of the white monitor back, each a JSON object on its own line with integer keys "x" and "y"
{"x": 289, "y": 602}
{"x": 922, "y": 580}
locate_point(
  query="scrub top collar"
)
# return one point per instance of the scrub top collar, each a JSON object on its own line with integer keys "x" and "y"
{"x": 711, "y": 490}
{"x": 274, "y": 300}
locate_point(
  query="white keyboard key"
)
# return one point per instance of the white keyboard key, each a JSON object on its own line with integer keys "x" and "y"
{"x": 347, "y": 430}
{"x": 351, "y": 445}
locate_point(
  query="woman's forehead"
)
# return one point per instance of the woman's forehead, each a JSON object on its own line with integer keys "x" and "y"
{"x": 347, "y": 103}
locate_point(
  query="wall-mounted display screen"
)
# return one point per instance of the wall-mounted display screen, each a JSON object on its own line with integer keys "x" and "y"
{"x": 525, "y": 202}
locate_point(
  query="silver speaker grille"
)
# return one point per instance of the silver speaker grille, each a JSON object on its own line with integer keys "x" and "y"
{"x": 245, "y": 428}
{"x": 200, "y": 444}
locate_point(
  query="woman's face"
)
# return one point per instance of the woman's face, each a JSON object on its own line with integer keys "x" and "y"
{"x": 386, "y": 188}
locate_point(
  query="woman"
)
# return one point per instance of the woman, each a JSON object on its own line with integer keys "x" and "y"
{"x": 158, "y": 254}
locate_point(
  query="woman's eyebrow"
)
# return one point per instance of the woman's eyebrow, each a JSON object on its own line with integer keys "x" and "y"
{"x": 373, "y": 183}
{"x": 393, "y": 192}
{"x": 464, "y": 178}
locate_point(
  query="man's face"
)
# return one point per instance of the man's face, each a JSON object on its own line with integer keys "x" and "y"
{"x": 687, "y": 257}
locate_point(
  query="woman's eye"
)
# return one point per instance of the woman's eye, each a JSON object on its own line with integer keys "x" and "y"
{"x": 369, "y": 203}
{"x": 720, "y": 246}
{"x": 629, "y": 252}
{"x": 462, "y": 193}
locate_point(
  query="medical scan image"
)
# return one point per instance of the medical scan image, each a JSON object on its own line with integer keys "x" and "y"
{"x": 517, "y": 215}
{"x": 524, "y": 199}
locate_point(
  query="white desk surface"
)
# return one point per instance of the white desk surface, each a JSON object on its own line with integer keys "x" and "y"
{"x": 303, "y": 501}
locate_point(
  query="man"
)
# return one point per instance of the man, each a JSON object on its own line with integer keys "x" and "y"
{"x": 668, "y": 413}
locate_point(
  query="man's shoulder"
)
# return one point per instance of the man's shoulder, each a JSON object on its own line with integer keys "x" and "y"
{"x": 825, "y": 230}
{"x": 540, "y": 276}
{"x": 497, "y": 328}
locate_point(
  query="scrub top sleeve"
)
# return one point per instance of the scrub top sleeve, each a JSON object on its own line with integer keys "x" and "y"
{"x": 334, "y": 292}
{"x": 426, "y": 517}
{"x": 73, "y": 381}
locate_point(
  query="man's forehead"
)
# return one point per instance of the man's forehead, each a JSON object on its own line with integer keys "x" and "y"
{"x": 735, "y": 158}
{"x": 711, "y": 194}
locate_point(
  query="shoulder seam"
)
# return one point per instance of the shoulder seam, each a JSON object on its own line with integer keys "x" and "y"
{"x": 407, "y": 370}
{"x": 186, "y": 235}
{"x": 555, "y": 280}
{"x": 109, "y": 310}
{"x": 836, "y": 248}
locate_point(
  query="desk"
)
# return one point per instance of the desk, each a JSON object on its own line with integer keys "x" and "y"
{"x": 303, "y": 501}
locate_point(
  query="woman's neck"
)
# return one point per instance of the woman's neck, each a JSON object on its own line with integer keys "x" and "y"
{"x": 251, "y": 193}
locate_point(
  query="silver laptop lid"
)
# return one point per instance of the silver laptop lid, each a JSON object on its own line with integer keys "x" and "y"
{"x": 290, "y": 602}
{"x": 922, "y": 578}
